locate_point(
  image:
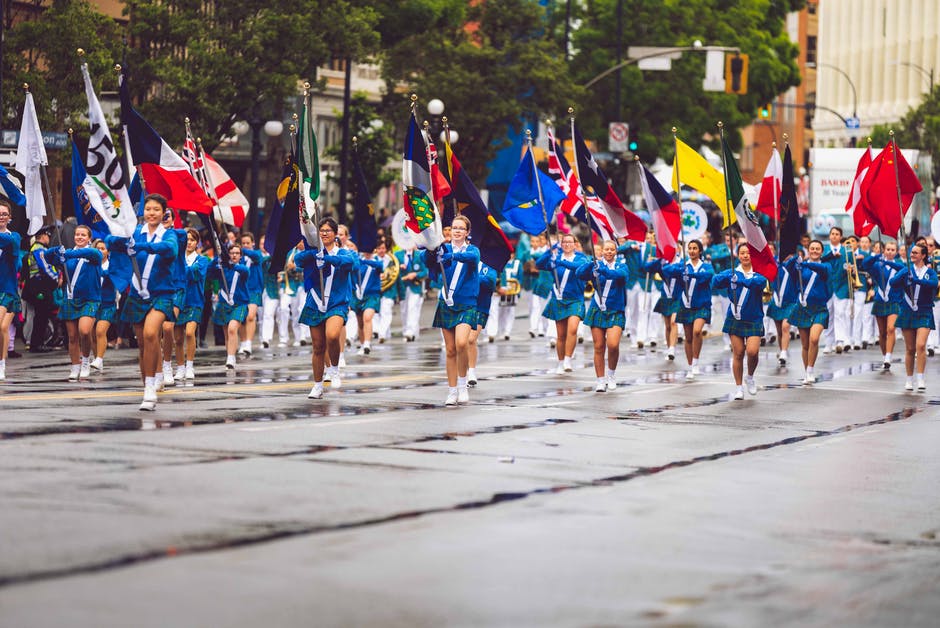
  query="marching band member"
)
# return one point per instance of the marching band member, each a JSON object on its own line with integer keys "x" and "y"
{"x": 150, "y": 301}
{"x": 505, "y": 299}
{"x": 107, "y": 307}
{"x": 744, "y": 321}
{"x": 367, "y": 292}
{"x": 933, "y": 258}
{"x": 887, "y": 305}
{"x": 197, "y": 267}
{"x": 293, "y": 296}
{"x": 812, "y": 315}
{"x": 667, "y": 305}
{"x": 271, "y": 309}
{"x": 632, "y": 256}
{"x": 648, "y": 285}
{"x": 784, "y": 300}
{"x": 388, "y": 296}
{"x": 82, "y": 297}
{"x": 327, "y": 302}
{"x": 919, "y": 283}
{"x": 566, "y": 302}
{"x": 605, "y": 316}
{"x": 10, "y": 262}
{"x": 488, "y": 279}
{"x": 720, "y": 255}
{"x": 164, "y": 377}
{"x": 862, "y": 322}
{"x": 839, "y": 258}
{"x": 695, "y": 310}
{"x": 541, "y": 282}
{"x": 232, "y": 309}
{"x": 412, "y": 274}
{"x": 253, "y": 260}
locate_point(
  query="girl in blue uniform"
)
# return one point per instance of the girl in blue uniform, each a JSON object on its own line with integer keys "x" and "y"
{"x": 919, "y": 285}
{"x": 667, "y": 305}
{"x": 253, "y": 260}
{"x": 605, "y": 315}
{"x": 150, "y": 301}
{"x": 10, "y": 261}
{"x": 887, "y": 305}
{"x": 456, "y": 313}
{"x": 165, "y": 375}
{"x": 82, "y": 297}
{"x": 232, "y": 308}
{"x": 744, "y": 321}
{"x": 488, "y": 280}
{"x": 812, "y": 315}
{"x": 326, "y": 278}
{"x": 197, "y": 267}
{"x": 694, "y": 278}
{"x": 107, "y": 308}
{"x": 566, "y": 302}
{"x": 783, "y": 302}
{"x": 368, "y": 294}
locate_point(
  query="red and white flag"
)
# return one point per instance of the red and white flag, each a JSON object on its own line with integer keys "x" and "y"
{"x": 855, "y": 205}
{"x": 768, "y": 200}
{"x": 564, "y": 176}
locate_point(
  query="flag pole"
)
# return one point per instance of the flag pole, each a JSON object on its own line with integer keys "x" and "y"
{"x": 646, "y": 288}
{"x": 308, "y": 111}
{"x": 675, "y": 144}
{"x": 786, "y": 138}
{"x": 213, "y": 227}
{"x": 577, "y": 174}
{"x": 440, "y": 264}
{"x": 897, "y": 186}
{"x": 448, "y": 151}
{"x": 878, "y": 227}
{"x": 538, "y": 185}
{"x": 727, "y": 211}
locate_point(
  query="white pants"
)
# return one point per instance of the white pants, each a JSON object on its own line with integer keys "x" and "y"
{"x": 840, "y": 324}
{"x": 492, "y": 321}
{"x": 507, "y": 316}
{"x": 648, "y": 321}
{"x": 862, "y": 319}
{"x": 632, "y": 313}
{"x": 411, "y": 313}
{"x": 384, "y": 325}
{"x": 272, "y": 310}
{"x": 869, "y": 325}
{"x": 536, "y": 305}
{"x": 296, "y": 306}
{"x": 352, "y": 328}
{"x": 933, "y": 339}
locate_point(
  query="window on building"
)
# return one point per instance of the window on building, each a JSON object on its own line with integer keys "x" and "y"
{"x": 811, "y": 49}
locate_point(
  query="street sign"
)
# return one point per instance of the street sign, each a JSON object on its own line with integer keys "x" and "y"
{"x": 853, "y": 123}
{"x": 618, "y": 135}
{"x": 9, "y": 138}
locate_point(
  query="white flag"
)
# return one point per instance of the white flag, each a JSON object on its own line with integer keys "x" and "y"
{"x": 30, "y": 157}
{"x": 106, "y": 171}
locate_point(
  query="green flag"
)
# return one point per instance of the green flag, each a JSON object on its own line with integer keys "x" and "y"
{"x": 307, "y": 155}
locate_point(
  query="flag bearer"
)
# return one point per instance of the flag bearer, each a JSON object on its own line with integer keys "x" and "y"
{"x": 367, "y": 289}
{"x": 694, "y": 281}
{"x": 566, "y": 301}
{"x": 919, "y": 284}
{"x": 197, "y": 267}
{"x": 887, "y": 306}
{"x": 783, "y": 303}
{"x": 812, "y": 315}
{"x": 10, "y": 262}
{"x": 165, "y": 376}
{"x": 82, "y": 289}
{"x": 605, "y": 315}
{"x": 744, "y": 321}
{"x": 839, "y": 258}
{"x": 253, "y": 259}
{"x": 231, "y": 311}
{"x": 107, "y": 308}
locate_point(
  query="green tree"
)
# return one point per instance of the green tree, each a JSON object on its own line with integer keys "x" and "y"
{"x": 43, "y": 53}
{"x": 493, "y": 64}
{"x": 376, "y": 145}
{"x": 919, "y": 128}
{"x": 654, "y": 102}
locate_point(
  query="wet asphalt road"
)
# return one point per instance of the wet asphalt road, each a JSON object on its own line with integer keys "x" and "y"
{"x": 240, "y": 502}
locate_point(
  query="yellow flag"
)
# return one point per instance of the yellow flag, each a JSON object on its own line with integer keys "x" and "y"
{"x": 700, "y": 175}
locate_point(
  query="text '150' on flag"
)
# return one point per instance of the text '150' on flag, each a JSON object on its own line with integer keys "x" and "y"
{"x": 888, "y": 177}
{"x": 91, "y": 198}
{"x": 163, "y": 171}
{"x": 762, "y": 259}
{"x": 664, "y": 214}
{"x": 422, "y": 217}
{"x": 605, "y": 207}
{"x": 524, "y": 208}
{"x": 485, "y": 233}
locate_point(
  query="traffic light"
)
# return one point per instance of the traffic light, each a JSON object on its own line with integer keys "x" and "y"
{"x": 633, "y": 146}
{"x": 766, "y": 111}
{"x": 736, "y": 73}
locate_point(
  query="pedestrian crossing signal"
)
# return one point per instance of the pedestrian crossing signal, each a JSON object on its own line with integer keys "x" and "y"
{"x": 736, "y": 73}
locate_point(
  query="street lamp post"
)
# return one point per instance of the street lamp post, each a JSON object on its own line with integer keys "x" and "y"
{"x": 820, "y": 64}
{"x": 927, "y": 73}
{"x": 272, "y": 128}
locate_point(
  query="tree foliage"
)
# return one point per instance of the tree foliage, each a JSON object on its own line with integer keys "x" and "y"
{"x": 654, "y": 102}
{"x": 919, "y": 128}
{"x": 376, "y": 144}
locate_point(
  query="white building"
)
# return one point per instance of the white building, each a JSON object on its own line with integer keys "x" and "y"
{"x": 877, "y": 59}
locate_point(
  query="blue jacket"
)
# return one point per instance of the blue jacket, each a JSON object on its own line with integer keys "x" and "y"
{"x": 411, "y": 262}
{"x": 918, "y": 290}
{"x": 882, "y": 271}
{"x": 786, "y": 288}
{"x": 610, "y": 289}
{"x": 667, "y": 285}
{"x": 108, "y": 291}
{"x": 545, "y": 279}
{"x": 196, "y": 281}
{"x": 838, "y": 277}
{"x": 570, "y": 286}
{"x": 744, "y": 293}
{"x": 695, "y": 289}
{"x": 466, "y": 288}
{"x": 179, "y": 266}
{"x": 10, "y": 261}
{"x": 632, "y": 253}
{"x": 815, "y": 280}
{"x": 368, "y": 281}
{"x": 84, "y": 278}
{"x": 253, "y": 259}
{"x": 163, "y": 247}
{"x": 237, "y": 280}
{"x": 335, "y": 267}
{"x": 488, "y": 280}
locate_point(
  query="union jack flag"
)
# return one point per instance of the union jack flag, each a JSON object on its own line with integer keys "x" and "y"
{"x": 564, "y": 176}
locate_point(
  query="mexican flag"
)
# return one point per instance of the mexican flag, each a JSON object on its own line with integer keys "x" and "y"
{"x": 761, "y": 258}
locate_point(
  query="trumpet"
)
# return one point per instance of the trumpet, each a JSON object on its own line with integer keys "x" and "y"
{"x": 513, "y": 287}
{"x": 390, "y": 274}
{"x": 768, "y": 294}
{"x": 588, "y": 290}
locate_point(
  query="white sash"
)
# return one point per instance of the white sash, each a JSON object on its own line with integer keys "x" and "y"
{"x": 141, "y": 285}
{"x": 363, "y": 282}
{"x": 75, "y": 273}
{"x": 689, "y": 290}
{"x": 559, "y": 288}
{"x": 778, "y": 295}
{"x": 742, "y": 298}
{"x": 601, "y": 299}
{"x": 808, "y": 287}
{"x": 884, "y": 290}
{"x": 454, "y": 279}
{"x": 230, "y": 295}
{"x": 323, "y": 302}
{"x": 669, "y": 287}
{"x": 912, "y": 299}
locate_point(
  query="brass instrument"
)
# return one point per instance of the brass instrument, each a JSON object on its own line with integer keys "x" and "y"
{"x": 513, "y": 287}
{"x": 857, "y": 283}
{"x": 768, "y": 294}
{"x": 588, "y": 289}
{"x": 390, "y": 274}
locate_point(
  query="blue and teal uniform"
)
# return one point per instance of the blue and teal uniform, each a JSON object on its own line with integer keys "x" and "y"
{"x": 813, "y": 293}
{"x": 567, "y": 296}
{"x": 610, "y": 292}
{"x": 460, "y": 284}
{"x": 745, "y": 316}
{"x": 695, "y": 294}
{"x": 10, "y": 262}
{"x": 332, "y": 298}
